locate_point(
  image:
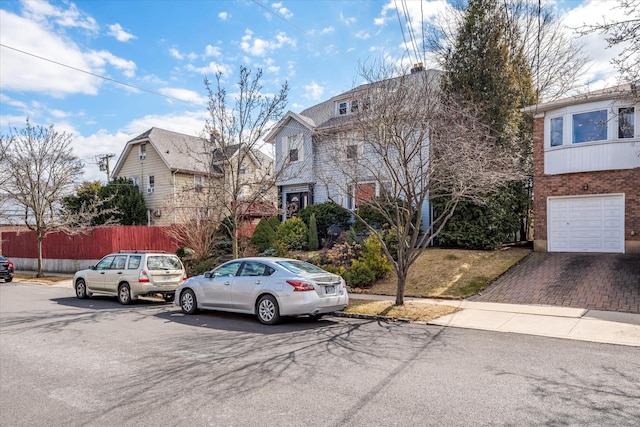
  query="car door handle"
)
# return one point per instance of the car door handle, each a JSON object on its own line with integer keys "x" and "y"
{"x": 102, "y": 272}
{"x": 227, "y": 283}
{"x": 119, "y": 272}
{"x": 258, "y": 282}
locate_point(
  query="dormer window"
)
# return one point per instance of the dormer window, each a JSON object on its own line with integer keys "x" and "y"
{"x": 142, "y": 151}
{"x": 342, "y": 108}
{"x": 354, "y": 106}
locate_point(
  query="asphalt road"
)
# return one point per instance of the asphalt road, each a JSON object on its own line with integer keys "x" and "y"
{"x": 94, "y": 362}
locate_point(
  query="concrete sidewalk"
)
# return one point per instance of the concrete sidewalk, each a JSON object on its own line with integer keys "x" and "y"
{"x": 607, "y": 327}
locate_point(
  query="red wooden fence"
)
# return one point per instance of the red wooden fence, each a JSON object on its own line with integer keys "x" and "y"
{"x": 98, "y": 243}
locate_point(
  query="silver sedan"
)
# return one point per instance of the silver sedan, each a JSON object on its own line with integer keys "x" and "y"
{"x": 266, "y": 287}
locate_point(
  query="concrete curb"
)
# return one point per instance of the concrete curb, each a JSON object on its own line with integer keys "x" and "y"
{"x": 548, "y": 321}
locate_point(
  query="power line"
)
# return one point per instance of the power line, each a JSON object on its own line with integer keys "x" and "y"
{"x": 100, "y": 76}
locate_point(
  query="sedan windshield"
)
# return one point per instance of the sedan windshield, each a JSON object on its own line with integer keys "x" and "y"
{"x": 298, "y": 267}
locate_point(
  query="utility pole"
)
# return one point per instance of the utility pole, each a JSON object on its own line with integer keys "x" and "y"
{"x": 103, "y": 164}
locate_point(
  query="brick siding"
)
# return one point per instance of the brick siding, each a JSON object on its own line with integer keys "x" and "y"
{"x": 599, "y": 182}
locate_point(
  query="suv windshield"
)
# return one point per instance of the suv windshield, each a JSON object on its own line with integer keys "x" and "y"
{"x": 163, "y": 262}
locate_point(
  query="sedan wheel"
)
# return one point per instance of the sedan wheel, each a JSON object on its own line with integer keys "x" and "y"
{"x": 188, "y": 302}
{"x": 124, "y": 294}
{"x": 268, "y": 311}
{"x": 81, "y": 289}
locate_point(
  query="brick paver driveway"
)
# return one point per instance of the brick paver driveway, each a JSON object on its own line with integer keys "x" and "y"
{"x": 593, "y": 281}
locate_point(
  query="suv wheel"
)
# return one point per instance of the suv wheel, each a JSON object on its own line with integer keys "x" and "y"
{"x": 81, "y": 289}
{"x": 124, "y": 294}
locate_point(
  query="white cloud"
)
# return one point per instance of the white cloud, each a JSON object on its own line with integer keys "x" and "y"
{"x": 362, "y": 35}
{"x": 45, "y": 13}
{"x": 184, "y": 95}
{"x": 210, "y": 69}
{"x": 601, "y": 73}
{"x": 180, "y": 56}
{"x": 313, "y": 91}
{"x": 347, "y": 20}
{"x": 187, "y": 122}
{"x": 119, "y": 33}
{"x": 59, "y": 114}
{"x": 224, "y": 16}
{"x": 261, "y": 47}
{"x": 100, "y": 58}
{"x": 212, "y": 51}
{"x": 282, "y": 10}
{"x": 22, "y": 71}
{"x": 176, "y": 53}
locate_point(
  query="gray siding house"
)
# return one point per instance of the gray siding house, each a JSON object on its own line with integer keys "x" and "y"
{"x": 308, "y": 162}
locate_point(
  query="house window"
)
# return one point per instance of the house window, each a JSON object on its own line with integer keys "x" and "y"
{"x": 556, "y": 131}
{"x": 626, "y": 118}
{"x": 136, "y": 181}
{"x": 197, "y": 184}
{"x": 349, "y": 202}
{"x": 590, "y": 126}
{"x": 354, "y": 106}
{"x": 243, "y": 170}
{"x": 151, "y": 184}
{"x": 352, "y": 151}
{"x": 294, "y": 145}
{"x": 342, "y": 108}
{"x": 142, "y": 150}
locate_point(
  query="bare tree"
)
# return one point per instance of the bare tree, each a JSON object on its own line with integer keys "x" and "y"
{"x": 42, "y": 170}
{"x": 410, "y": 140}
{"x": 556, "y": 61}
{"x": 625, "y": 32}
{"x": 240, "y": 177}
{"x": 196, "y": 215}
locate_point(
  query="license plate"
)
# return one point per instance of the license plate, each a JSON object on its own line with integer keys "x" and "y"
{"x": 329, "y": 289}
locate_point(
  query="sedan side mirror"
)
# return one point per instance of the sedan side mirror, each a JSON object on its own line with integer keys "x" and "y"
{"x": 208, "y": 275}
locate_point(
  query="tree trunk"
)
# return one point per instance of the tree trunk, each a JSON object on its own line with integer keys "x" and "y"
{"x": 402, "y": 279}
{"x": 39, "y": 273}
{"x": 234, "y": 242}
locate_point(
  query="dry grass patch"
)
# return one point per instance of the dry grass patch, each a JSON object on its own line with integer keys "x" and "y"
{"x": 415, "y": 311}
{"x": 451, "y": 273}
{"x": 47, "y": 280}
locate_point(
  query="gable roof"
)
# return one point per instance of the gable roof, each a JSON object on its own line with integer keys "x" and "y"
{"x": 307, "y": 122}
{"x": 179, "y": 152}
{"x": 322, "y": 115}
{"x": 183, "y": 153}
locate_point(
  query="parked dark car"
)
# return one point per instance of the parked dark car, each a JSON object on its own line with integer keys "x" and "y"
{"x": 6, "y": 269}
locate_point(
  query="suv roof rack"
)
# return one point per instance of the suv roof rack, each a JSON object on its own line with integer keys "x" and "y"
{"x": 144, "y": 251}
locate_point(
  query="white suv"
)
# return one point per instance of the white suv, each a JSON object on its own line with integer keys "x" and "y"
{"x": 130, "y": 274}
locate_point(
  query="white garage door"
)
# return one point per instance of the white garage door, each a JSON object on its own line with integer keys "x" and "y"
{"x": 586, "y": 224}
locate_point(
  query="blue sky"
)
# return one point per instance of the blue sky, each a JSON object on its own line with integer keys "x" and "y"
{"x": 106, "y": 71}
